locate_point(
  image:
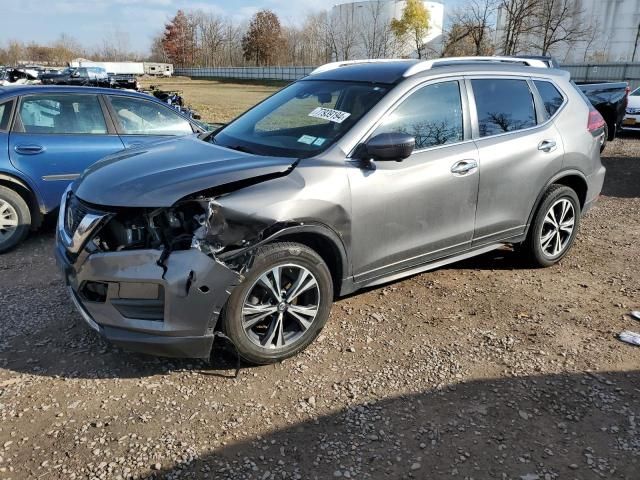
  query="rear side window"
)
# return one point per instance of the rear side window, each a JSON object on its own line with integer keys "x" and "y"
{"x": 140, "y": 117}
{"x": 5, "y": 114}
{"x": 62, "y": 114}
{"x": 503, "y": 105}
{"x": 550, "y": 95}
{"x": 433, "y": 115}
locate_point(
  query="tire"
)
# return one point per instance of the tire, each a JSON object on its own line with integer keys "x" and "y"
{"x": 15, "y": 219}
{"x": 544, "y": 252}
{"x": 255, "y": 335}
{"x": 605, "y": 138}
{"x": 612, "y": 131}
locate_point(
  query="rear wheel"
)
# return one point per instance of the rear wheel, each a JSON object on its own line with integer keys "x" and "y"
{"x": 15, "y": 219}
{"x": 281, "y": 306}
{"x": 605, "y": 138}
{"x": 554, "y": 227}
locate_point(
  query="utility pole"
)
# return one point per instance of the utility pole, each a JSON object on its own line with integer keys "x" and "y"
{"x": 635, "y": 46}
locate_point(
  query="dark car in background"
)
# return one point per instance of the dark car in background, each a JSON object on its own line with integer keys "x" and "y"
{"x": 83, "y": 76}
{"x": 610, "y": 99}
{"x": 50, "y": 134}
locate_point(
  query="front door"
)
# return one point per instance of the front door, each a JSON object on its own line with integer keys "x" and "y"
{"x": 55, "y": 137}
{"x": 423, "y": 208}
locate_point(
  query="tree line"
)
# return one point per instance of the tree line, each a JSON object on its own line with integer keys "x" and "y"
{"x": 535, "y": 27}
{"x": 199, "y": 38}
{"x": 114, "y": 47}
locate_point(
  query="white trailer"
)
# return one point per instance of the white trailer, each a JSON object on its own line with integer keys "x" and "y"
{"x": 116, "y": 68}
{"x": 158, "y": 69}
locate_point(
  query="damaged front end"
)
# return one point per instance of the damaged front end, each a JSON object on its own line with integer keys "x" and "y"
{"x": 199, "y": 223}
{"x": 155, "y": 280}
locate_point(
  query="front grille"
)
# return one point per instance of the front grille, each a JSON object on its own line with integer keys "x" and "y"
{"x": 76, "y": 211}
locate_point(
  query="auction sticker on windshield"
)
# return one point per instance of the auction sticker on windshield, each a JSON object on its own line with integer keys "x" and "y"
{"x": 330, "y": 114}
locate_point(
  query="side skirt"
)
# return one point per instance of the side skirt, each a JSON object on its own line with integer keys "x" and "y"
{"x": 348, "y": 286}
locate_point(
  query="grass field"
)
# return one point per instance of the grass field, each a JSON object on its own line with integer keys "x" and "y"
{"x": 217, "y": 102}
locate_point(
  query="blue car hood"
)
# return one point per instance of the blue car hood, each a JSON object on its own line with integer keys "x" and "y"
{"x": 161, "y": 174}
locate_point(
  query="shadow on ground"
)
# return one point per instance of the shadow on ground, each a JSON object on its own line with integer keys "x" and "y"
{"x": 623, "y": 174}
{"x": 579, "y": 426}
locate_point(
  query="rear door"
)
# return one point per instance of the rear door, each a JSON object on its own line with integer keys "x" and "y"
{"x": 142, "y": 121}
{"x": 520, "y": 150}
{"x": 56, "y": 136}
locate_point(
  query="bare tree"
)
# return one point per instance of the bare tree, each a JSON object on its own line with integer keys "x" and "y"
{"x": 210, "y": 31}
{"x": 343, "y": 30}
{"x": 471, "y": 29}
{"x": 517, "y": 22}
{"x": 558, "y": 22}
{"x": 377, "y": 38}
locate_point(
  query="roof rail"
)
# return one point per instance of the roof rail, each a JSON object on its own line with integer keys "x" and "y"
{"x": 332, "y": 66}
{"x": 429, "y": 64}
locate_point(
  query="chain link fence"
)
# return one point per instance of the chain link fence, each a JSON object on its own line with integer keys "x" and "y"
{"x": 605, "y": 72}
{"x": 247, "y": 73}
{"x": 583, "y": 72}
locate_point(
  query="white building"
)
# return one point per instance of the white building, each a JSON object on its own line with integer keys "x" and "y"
{"x": 615, "y": 26}
{"x": 360, "y": 27}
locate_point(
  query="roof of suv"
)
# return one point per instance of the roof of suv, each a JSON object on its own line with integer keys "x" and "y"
{"x": 394, "y": 71}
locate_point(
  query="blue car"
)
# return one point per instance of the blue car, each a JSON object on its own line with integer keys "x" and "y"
{"x": 50, "y": 134}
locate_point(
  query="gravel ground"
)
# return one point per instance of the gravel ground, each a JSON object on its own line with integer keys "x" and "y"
{"x": 484, "y": 369}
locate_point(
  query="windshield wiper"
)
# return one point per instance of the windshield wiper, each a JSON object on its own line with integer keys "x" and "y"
{"x": 240, "y": 148}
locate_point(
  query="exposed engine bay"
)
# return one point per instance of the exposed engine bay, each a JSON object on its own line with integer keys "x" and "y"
{"x": 199, "y": 223}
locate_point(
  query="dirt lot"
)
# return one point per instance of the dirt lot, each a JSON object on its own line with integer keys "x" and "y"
{"x": 485, "y": 369}
{"x": 215, "y": 101}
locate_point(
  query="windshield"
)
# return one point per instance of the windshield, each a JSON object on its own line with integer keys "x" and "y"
{"x": 635, "y": 93}
{"x": 301, "y": 120}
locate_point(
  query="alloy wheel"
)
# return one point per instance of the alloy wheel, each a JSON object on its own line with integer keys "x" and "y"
{"x": 8, "y": 220}
{"x": 280, "y": 306}
{"x": 557, "y": 228}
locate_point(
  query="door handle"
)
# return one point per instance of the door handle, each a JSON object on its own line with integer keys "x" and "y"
{"x": 464, "y": 167}
{"x": 547, "y": 146}
{"x": 29, "y": 149}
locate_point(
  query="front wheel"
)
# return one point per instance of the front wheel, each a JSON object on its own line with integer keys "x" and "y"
{"x": 554, "y": 227}
{"x": 282, "y": 304}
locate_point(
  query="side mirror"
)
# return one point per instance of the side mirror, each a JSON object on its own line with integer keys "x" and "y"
{"x": 390, "y": 146}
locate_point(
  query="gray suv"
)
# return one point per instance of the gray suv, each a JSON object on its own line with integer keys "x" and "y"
{"x": 357, "y": 175}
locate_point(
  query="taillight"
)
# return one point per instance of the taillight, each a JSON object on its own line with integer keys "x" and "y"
{"x": 596, "y": 122}
{"x": 627, "y": 90}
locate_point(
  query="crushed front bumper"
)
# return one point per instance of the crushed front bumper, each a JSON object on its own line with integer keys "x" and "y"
{"x": 133, "y": 302}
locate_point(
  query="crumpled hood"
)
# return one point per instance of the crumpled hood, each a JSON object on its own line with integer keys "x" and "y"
{"x": 159, "y": 175}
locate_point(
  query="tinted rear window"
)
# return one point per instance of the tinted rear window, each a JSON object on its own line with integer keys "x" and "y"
{"x": 550, "y": 95}
{"x": 503, "y": 105}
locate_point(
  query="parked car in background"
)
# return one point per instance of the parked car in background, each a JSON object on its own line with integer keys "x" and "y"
{"x": 123, "y": 81}
{"x": 50, "y": 134}
{"x": 632, "y": 117}
{"x": 85, "y": 76}
{"x": 610, "y": 99}
{"x": 56, "y": 77}
{"x": 356, "y": 175}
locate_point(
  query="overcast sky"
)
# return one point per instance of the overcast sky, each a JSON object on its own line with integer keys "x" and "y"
{"x": 91, "y": 21}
